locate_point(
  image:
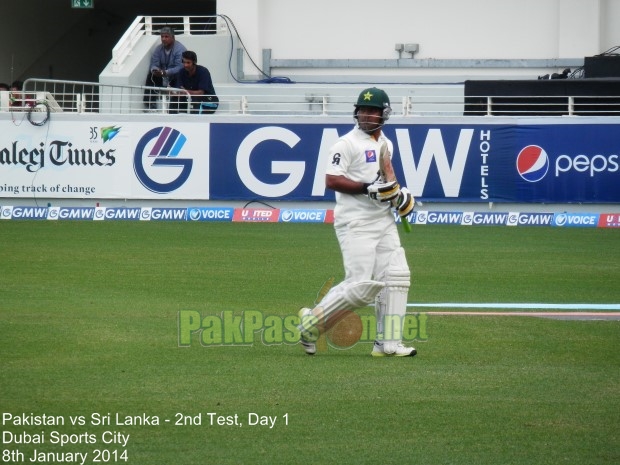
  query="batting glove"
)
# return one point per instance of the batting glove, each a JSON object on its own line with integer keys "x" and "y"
{"x": 405, "y": 202}
{"x": 383, "y": 191}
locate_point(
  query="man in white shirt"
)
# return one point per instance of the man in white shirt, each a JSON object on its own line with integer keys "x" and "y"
{"x": 375, "y": 264}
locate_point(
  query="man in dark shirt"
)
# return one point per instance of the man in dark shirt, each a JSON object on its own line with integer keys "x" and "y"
{"x": 196, "y": 80}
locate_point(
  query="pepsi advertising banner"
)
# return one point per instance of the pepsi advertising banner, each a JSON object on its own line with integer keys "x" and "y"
{"x": 541, "y": 163}
{"x": 575, "y": 163}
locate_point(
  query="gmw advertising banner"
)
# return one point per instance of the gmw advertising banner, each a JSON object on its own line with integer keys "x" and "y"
{"x": 575, "y": 162}
{"x": 550, "y": 163}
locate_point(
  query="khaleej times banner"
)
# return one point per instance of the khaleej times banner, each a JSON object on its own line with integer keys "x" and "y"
{"x": 575, "y": 162}
{"x": 75, "y": 159}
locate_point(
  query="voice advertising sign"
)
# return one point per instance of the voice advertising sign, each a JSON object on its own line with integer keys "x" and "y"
{"x": 445, "y": 162}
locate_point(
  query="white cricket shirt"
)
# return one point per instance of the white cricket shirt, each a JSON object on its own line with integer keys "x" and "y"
{"x": 356, "y": 156}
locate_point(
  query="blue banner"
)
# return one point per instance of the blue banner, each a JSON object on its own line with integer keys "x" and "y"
{"x": 522, "y": 163}
{"x": 303, "y": 215}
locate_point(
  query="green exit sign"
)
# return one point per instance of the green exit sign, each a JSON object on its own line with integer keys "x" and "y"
{"x": 82, "y": 3}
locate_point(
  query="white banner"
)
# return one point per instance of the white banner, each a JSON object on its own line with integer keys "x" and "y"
{"x": 104, "y": 160}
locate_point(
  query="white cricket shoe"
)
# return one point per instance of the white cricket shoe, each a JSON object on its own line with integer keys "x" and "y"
{"x": 379, "y": 350}
{"x": 305, "y": 338}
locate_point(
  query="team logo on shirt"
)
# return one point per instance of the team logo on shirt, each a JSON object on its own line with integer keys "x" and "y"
{"x": 371, "y": 156}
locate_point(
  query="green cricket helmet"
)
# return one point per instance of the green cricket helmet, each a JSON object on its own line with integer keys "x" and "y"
{"x": 376, "y": 98}
{"x": 373, "y": 97}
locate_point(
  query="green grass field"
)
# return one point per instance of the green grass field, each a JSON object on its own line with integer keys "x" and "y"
{"x": 89, "y": 327}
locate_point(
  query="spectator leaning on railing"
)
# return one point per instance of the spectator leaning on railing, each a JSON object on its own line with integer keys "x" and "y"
{"x": 196, "y": 80}
{"x": 165, "y": 64}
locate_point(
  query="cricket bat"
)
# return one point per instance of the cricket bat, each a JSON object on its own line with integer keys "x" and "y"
{"x": 386, "y": 171}
{"x": 327, "y": 285}
{"x": 321, "y": 343}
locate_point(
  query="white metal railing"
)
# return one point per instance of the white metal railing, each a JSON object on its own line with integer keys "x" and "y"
{"x": 93, "y": 97}
{"x": 147, "y": 25}
{"x": 552, "y": 105}
{"x": 304, "y": 100}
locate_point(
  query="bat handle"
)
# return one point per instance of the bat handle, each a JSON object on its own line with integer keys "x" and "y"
{"x": 406, "y": 225}
{"x": 403, "y": 219}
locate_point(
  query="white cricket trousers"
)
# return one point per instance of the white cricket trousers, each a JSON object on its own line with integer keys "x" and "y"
{"x": 367, "y": 248}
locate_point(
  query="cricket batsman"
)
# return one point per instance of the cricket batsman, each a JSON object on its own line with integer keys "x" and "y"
{"x": 375, "y": 265}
